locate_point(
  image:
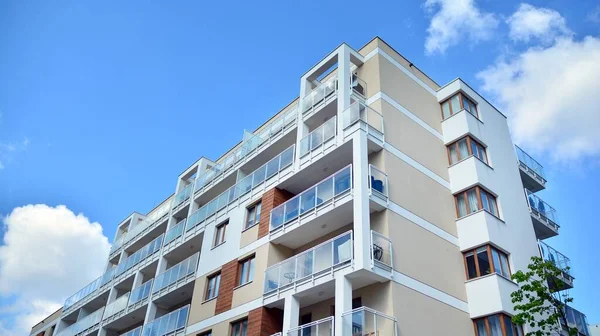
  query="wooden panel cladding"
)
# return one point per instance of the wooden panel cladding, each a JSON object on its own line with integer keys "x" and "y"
{"x": 228, "y": 283}
{"x": 270, "y": 200}
{"x": 265, "y": 321}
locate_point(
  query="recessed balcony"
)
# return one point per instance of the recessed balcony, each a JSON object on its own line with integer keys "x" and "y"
{"x": 320, "y": 97}
{"x": 248, "y": 150}
{"x": 172, "y": 324}
{"x": 89, "y": 292}
{"x": 135, "y": 332}
{"x": 564, "y": 280}
{"x": 532, "y": 172}
{"x": 309, "y": 266}
{"x": 545, "y": 222}
{"x": 366, "y": 321}
{"x": 321, "y": 327}
{"x": 171, "y": 286}
{"x": 128, "y": 309}
{"x": 85, "y": 326}
{"x": 318, "y": 143}
{"x": 360, "y": 117}
{"x": 182, "y": 198}
{"x": 320, "y": 209}
{"x": 139, "y": 260}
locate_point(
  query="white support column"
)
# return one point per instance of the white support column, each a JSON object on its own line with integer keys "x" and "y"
{"x": 302, "y": 129}
{"x": 151, "y": 311}
{"x": 343, "y": 302}
{"x": 291, "y": 313}
{"x": 343, "y": 89}
{"x": 362, "y": 225}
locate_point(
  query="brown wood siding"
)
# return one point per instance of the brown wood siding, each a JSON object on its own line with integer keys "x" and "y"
{"x": 228, "y": 278}
{"x": 265, "y": 321}
{"x": 270, "y": 200}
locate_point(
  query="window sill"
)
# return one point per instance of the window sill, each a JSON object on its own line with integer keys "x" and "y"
{"x": 208, "y": 300}
{"x": 491, "y": 275}
{"x": 468, "y": 157}
{"x": 242, "y": 285}
{"x": 478, "y": 211}
{"x": 221, "y": 243}
{"x": 463, "y": 110}
{"x": 249, "y": 227}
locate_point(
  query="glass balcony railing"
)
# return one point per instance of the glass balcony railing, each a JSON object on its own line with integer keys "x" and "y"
{"x": 359, "y": 111}
{"x": 529, "y": 163}
{"x": 378, "y": 182}
{"x": 318, "y": 137}
{"x": 319, "y": 94}
{"x": 139, "y": 255}
{"x": 540, "y": 208}
{"x": 182, "y": 196}
{"x": 576, "y": 319}
{"x": 260, "y": 175}
{"x": 174, "y": 232}
{"x": 558, "y": 259}
{"x": 83, "y": 324}
{"x": 382, "y": 250}
{"x": 135, "y": 332}
{"x": 314, "y": 197}
{"x": 117, "y": 243}
{"x": 247, "y": 148}
{"x": 278, "y": 334}
{"x": 89, "y": 289}
{"x": 176, "y": 273}
{"x": 167, "y": 324}
{"x": 140, "y": 293}
{"x": 366, "y": 321}
{"x": 322, "y": 257}
{"x": 358, "y": 86}
{"x": 318, "y": 328}
{"x": 116, "y": 306}
{"x": 138, "y": 229}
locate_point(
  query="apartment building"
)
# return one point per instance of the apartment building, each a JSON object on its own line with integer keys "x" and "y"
{"x": 376, "y": 203}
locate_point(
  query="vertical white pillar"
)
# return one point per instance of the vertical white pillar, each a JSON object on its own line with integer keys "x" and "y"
{"x": 343, "y": 89}
{"x": 343, "y": 302}
{"x": 291, "y": 313}
{"x": 362, "y": 225}
{"x": 302, "y": 129}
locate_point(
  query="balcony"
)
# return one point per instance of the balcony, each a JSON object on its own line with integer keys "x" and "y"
{"x": 318, "y": 143}
{"x": 173, "y": 233}
{"x": 84, "y": 326}
{"x": 359, "y": 116}
{"x": 321, "y": 327}
{"x": 545, "y": 222}
{"x": 141, "y": 258}
{"x": 576, "y": 319}
{"x": 171, "y": 284}
{"x": 319, "y": 97}
{"x": 154, "y": 218}
{"x": 89, "y": 292}
{"x": 326, "y": 205}
{"x": 319, "y": 261}
{"x": 382, "y": 253}
{"x": 182, "y": 198}
{"x": 366, "y": 321}
{"x": 253, "y": 184}
{"x": 116, "y": 307}
{"x": 378, "y": 188}
{"x": 532, "y": 172}
{"x": 172, "y": 323}
{"x": 135, "y": 332}
{"x": 565, "y": 279}
{"x": 128, "y": 309}
{"x": 248, "y": 149}
{"x": 139, "y": 295}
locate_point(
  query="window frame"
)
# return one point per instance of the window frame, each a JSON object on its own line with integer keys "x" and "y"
{"x": 470, "y": 140}
{"x": 490, "y": 256}
{"x": 257, "y": 207}
{"x": 240, "y": 323}
{"x": 223, "y": 226}
{"x": 518, "y": 329}
{"x": 249, "y": 275}
{"x": 478, "y": 190}
{"x": 217, "y": 286}
{"x": 461, "y": 96}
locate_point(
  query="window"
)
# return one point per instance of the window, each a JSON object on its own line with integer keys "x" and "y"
{"x": 475, "y": 199}
{"x": 486, "y": 260}
{"x": 246, "y": 271}
{"x": 496, "y": 325}
{"x": 464, "y": 148}
{"x": 239, "y": 328}
{"x": 206, "y": 333}
{"x": 252, "y": 215}
{"x": 457, "y": 103}
{"x": 212, "y": 287}
{"x": 220, "y": 233}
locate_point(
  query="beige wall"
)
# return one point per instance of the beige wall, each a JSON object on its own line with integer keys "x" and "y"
{"x": 249, "y": 236}
{"x": 418, "y": 314}
{"x": 222, "y": 328}
{"x": 253, "y": 290}
{"x": 426, "y": 257}
{"x": 420, "y": 195}
{"x": 413, "y": 140}
{"x": 200, "y": 310}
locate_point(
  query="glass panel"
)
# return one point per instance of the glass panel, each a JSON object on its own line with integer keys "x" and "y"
{"x": 291, "y": 209}
{"x": 304, "y": 146}
{"x": 323, "y": 257}
{"x": 277, "y": 217}
{"x": 259, "y": 176}
{"x": 473, "y": 202}
{"x": 304, "y": 266}
{"x": 484, "y": 261}
{"x": 287, "y": 272}
{"x": 463, "y": 149}
{"x": 453, "y": 154}
{"x": 505, "y": 268}
{"x": 508, "y": 326}
{"x": 272, "y": 167}
{"x": 455, "y": 102}
{"x": 481, "y": 329}
{"x": 271, "y": 279}
{"x": 325, "y": 191}
{"x": 342, "y": 249}
{"x": 307, "y": 200}
{"x": 497, "y": 263}
{"x": 462, "y": 206}
{"x": 287, "y": 158}
{"x": 471, "y": 268}
{"x": 342, "y": 181}
{"x": 446, "y": 110}
{"x": 316, "y": 138}
{"x": 495, "y": 327}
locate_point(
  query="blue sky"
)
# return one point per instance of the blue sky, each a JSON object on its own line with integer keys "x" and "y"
{"x": 103, "y": 104}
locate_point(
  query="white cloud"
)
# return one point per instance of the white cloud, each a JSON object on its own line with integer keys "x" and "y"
{"x": 49, "y": 253}
{"x": 530, "y": 22}
{"x": 594, "y": 15}
{"x": 8, "y": 151}
{"x": 454, "y": 21}
{"x": 551, "y": 97}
